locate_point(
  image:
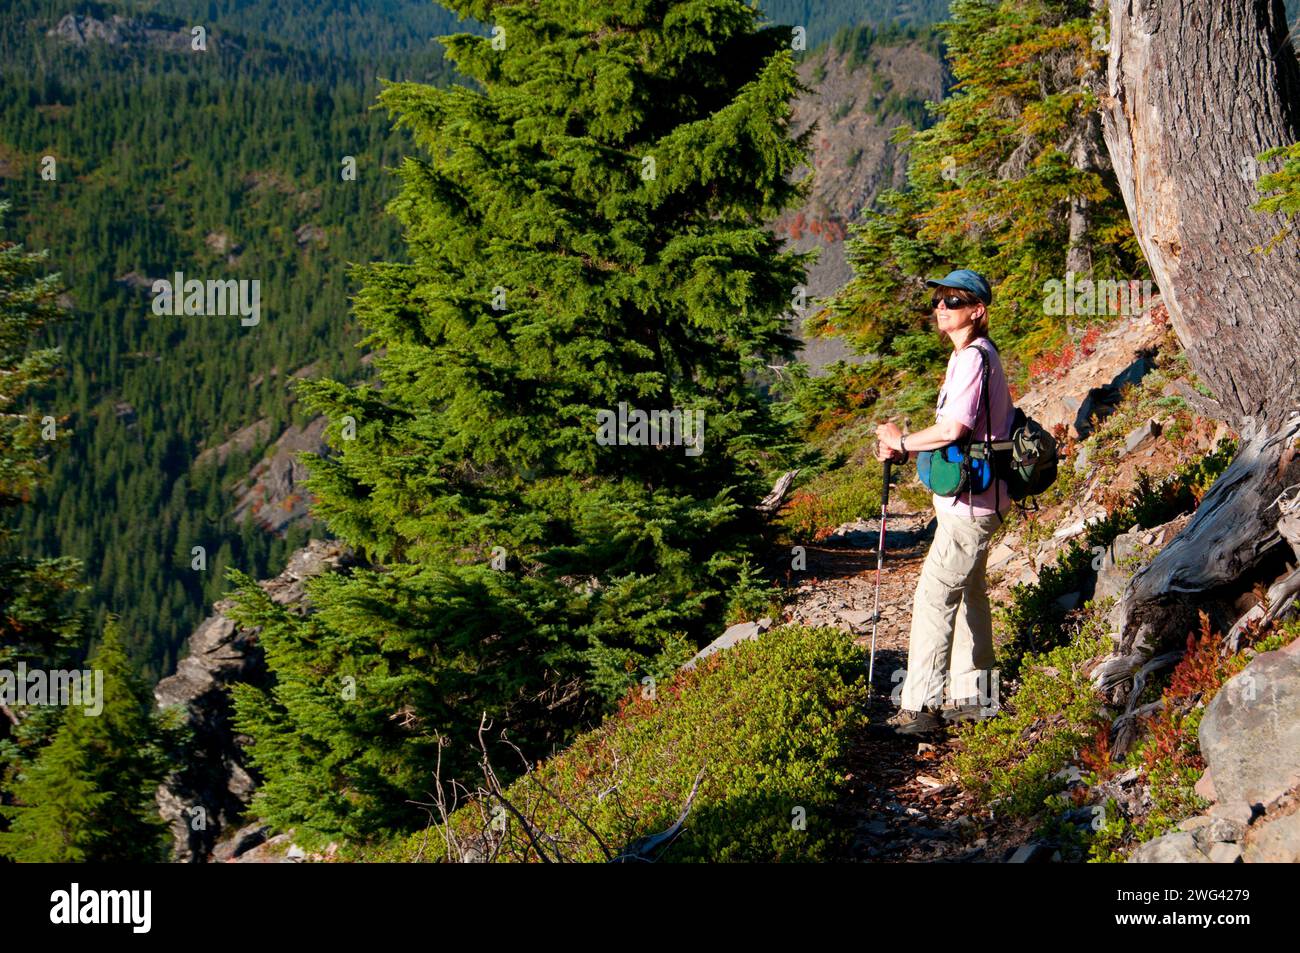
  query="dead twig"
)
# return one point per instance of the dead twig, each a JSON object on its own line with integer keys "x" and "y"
{"x": 641, "y": 850}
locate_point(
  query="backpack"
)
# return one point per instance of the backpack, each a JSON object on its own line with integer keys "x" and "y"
{"x": 1028, "y": 460}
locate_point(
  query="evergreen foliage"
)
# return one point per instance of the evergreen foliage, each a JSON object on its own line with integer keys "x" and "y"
{"x": 824, "y": 18}
{"x": 766, "y": 726}
{"x": 209, "y": 164}
{"x": 89, "y": 796}
{"x": 610, "y": 179}
{"x": 37, "y": 624}
{"x": 990, "y": 187}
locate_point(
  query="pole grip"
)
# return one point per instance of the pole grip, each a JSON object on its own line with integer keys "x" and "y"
{"x": 884, "y": 494}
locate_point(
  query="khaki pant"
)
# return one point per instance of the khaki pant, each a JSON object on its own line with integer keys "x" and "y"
{"x": 950, "y": 651}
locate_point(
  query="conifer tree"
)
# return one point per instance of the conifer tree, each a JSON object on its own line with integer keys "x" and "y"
{"x": 585, "y": 228}
{"x": 36, "y": 624}
{"x": 89, "y": 795}
{"x": 1012, "y": 179}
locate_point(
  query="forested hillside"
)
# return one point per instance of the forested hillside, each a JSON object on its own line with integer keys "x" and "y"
{"x": 221, "y": 164}
{"x": 389, "y": 33}
{"x": 824, "y": 18}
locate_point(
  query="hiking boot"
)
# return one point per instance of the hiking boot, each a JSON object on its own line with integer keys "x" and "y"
{"x": 968, "y": 711}
{"x": 921, "y": 722}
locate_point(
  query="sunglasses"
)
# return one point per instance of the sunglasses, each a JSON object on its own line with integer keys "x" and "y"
{"x": 951, "y": 302}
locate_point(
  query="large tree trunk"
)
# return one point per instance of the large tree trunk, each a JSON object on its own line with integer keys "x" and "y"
{"x": 1196, "y": 89}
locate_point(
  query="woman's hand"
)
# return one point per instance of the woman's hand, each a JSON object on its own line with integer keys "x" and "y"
{"x": 888, "y": 446}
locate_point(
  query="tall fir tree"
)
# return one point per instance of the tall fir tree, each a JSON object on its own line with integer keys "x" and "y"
{"x": 585, "y": 228}
{"x": 1012, "y": 179}
{"x": 89, "y": 795}
{"x": 37, "y": 625}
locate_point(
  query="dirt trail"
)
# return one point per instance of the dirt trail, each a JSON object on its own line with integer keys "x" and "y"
{"x": 902, "y": 801}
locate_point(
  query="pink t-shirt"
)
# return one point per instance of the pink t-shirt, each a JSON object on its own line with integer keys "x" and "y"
{"x": 960, "y": 400}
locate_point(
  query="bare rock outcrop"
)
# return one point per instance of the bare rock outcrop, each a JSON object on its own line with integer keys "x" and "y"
{"x": 273, "y": 493}
{"x": 856, "y": 107}
{"x": 208, "y": 794}
{"x": 117, "y": 30}
{"x": 1250, "y": 736}
{"x": 1250, "y": 740}
{"x": 1121, "y": 355}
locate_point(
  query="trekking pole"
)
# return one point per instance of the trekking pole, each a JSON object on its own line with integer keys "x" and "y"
{"x": 880, "y": 562}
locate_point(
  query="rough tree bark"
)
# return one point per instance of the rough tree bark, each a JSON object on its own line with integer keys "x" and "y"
{"x": 1195, "y": 90}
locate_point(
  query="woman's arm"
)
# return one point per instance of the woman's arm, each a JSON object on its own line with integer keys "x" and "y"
{"x": 941, "y": 433}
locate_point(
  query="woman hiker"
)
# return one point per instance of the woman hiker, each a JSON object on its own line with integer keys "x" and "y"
{"x": 950, "y": 649}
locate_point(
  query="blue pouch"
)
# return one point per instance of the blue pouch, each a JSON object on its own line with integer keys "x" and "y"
{"x": 951, "y": 471}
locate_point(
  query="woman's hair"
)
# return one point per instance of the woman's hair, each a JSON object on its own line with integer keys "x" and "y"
{"x": 969, "y": 297}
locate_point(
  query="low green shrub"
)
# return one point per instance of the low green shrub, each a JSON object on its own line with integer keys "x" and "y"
{"x": 752, "y": 596}
{"x": 1015, "y": 759}
{"x": 1168, "y": 757}
{"x": 1033, "y": 621}
{"x": 766, "y": 722}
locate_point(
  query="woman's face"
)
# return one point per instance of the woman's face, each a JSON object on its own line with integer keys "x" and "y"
{"x": 952, "y": 320}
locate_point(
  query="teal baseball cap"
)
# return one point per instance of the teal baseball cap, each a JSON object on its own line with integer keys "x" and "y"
{"x": 966, "y": 280}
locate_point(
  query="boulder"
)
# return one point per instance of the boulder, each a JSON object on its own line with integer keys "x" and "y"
{"x": 741, "y": 632}
{"x": 1274, "y": 841}
{"x": 1205, "y": 787}
{"x": 1112, "y": 577}
{"x": 275, "y": 850}
{"x": 1225, "y": 853}
{"x": 1219, "y": 830}
{"x": 1068, "y": 602}
{"x": 1177, "y": 848}
{"x": 1035, "y": 853}
{"x": 1139, "y": 436}
{"x": 1250, "y": 735}
{"x": 1239, "y": 812}
{"x": 244, "y": 840}
{"x": 1082, "y": 458}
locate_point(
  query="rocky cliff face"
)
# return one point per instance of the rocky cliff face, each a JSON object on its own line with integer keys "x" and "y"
{"x": 207, "y": 797}
{"x": 117, "y": 30}
{"x": 274, "y": 493}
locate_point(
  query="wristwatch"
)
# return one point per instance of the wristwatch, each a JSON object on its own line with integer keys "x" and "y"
{"x": 902, "y": 442}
